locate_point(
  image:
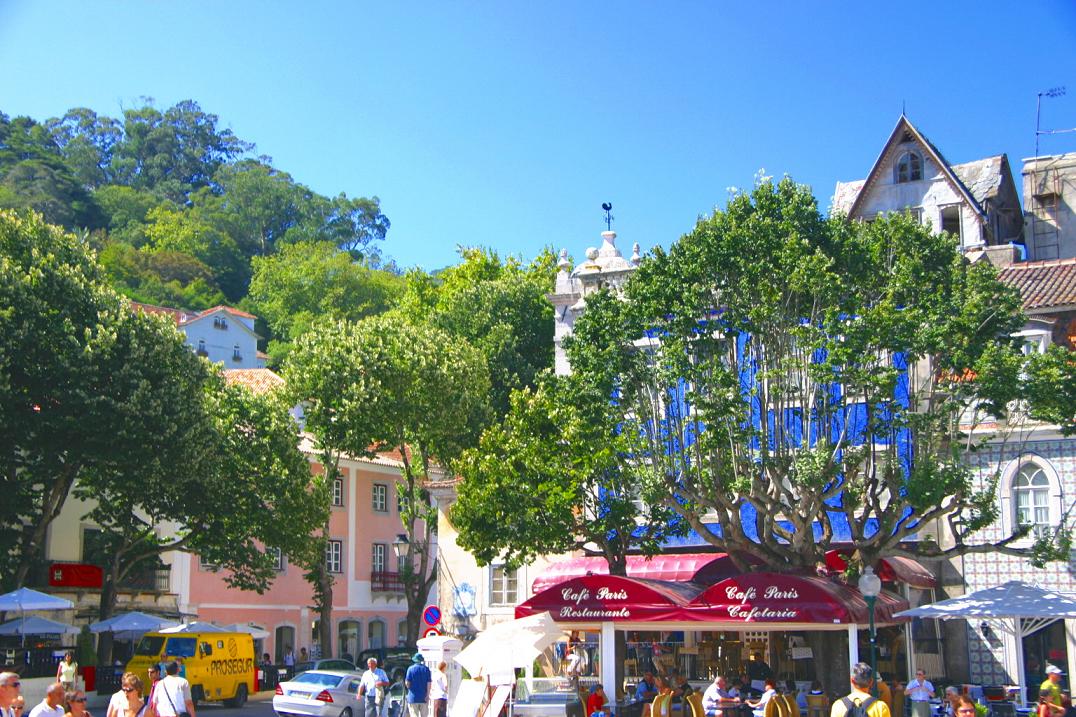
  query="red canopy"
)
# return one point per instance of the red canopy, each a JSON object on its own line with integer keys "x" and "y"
{"x": 896, "y": 568}
{"x": 704, "y": 568}
{"x": 751, "y": 598}
{"x": 600, "y": 598}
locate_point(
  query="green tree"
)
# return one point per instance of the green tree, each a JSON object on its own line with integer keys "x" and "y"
{"x": 311, "y": 282}
{"x": 188, "y": 232}
{"x": 86, "y": 141}
{"x": 126, "y": 211}
{"x": 499, "y": 306}
{"x": 383, "y": 384}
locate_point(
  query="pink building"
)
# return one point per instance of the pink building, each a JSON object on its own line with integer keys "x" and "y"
{"x": 369, "y": 609}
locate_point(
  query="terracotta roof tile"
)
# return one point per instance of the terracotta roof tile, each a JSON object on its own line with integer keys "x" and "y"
{"x": 178, "y": 315}
{"x": 258, "y": 380}
{"x": 1043, "y": 284}
{"x": 230, "y": 310}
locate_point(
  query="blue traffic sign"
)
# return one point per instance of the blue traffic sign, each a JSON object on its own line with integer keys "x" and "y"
{"x": 431, "y": 615}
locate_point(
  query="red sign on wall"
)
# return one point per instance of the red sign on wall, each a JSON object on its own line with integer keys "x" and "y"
{"x": 75, "y": 575}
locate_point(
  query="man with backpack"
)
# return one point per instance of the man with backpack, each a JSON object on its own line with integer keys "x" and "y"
{"x": 859, "y": 702}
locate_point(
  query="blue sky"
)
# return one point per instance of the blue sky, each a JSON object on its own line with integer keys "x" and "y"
{"x": 507, "y": 124}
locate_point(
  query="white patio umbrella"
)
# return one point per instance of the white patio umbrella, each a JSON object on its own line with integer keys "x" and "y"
{"x": 25, "y": 599}
{"x": 508, "y": 645}
{"x": 255, "y": 632}
{"x": 35, "y": 625}
{"x": 132, "y": 623}
{"x": 1016, "y": 609}
{"x": 196, "y": 626}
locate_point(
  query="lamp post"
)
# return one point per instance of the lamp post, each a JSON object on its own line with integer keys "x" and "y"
{"x": 402, "y": 547}
{"x": 870, "y": 585}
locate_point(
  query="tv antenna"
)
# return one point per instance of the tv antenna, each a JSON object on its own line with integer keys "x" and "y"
{"x": 1052, "y": 92}
{"x": 608, "y": 207}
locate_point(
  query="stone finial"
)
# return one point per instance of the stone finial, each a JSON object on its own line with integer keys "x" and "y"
{"x": 592, "y": 253}
{"x": 563, "y": 264}
{"x": 636, "y": 257}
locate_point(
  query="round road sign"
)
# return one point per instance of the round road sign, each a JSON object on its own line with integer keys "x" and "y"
{"x": 431, "y": 632}
{"x": 431, "y": 615}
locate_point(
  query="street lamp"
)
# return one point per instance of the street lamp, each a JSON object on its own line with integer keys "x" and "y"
{"x": 402, "y": 547}
{"x": 870, "y": 585}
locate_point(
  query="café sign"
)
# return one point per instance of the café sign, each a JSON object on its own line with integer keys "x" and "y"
{"x": 754, "y": 604}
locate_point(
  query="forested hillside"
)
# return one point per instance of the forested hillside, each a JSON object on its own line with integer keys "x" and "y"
{"x": 183, "y": 213}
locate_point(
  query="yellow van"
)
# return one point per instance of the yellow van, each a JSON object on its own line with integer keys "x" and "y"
{"x": 219, "y": 665}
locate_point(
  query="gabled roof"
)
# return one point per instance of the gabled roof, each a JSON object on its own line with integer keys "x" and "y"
{"x": 903, "y": 126}
{"x": 229, "y": 309}
{"x": 1043, "y": 284}
{"x": 258, "y": 380}
{"x": 178, "y": 315}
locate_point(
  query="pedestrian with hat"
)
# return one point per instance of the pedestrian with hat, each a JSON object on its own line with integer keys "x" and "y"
{"x": 417, "y": 682}
{"x": 1052, "y": 683}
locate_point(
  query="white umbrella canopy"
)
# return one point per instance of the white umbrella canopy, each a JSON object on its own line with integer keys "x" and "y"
{"x": 509, "y": 645}
{"x": 132, "y": 622}
{"x": 34, "y": 625}
{"x": 1013, "y": 599}
{"x": 1014, "y": 608}
{"x": 196, "y": 626}
{"x": 255, "y": 632}
{"x": 26, "y": 599}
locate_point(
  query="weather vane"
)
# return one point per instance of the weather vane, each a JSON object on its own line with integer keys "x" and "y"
{"x": 608, "y": 207}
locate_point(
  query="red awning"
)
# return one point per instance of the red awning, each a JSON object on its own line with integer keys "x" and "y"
{"x": 896, "y": 568}
{"x": 772, "y": 598}
{"x": 601, "y": 598}
{"x": 704, "y": 568}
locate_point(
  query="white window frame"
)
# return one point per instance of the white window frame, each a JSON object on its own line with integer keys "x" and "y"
{"x": 338, "y": 492}
{"x": 380, "y": 498}
{"x": 910, "y": 153}
{"x": 503, "y": 589}
{"x": 1008, "y": 497}
{"x": 378, "y": 557}
{"x": 334, "y": 556}
{"x": 278, "y": 554}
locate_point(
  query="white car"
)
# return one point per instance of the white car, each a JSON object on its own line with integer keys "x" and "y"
{"x": 319, "y": 693}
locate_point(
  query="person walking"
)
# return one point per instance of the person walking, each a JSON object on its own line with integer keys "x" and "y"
{"x": 439, "y": 691}
{"x": 172, "y": 698}
{"x": 417, "y": 682}
{"x": 859, "y": 702}
{"x": 372, "y": 688}
{"x": 53, "y": 704}
{"x": 67, "y": 672}
{"x": 136, "y": 706}
{"x": 289, "y": 661}
{"x": 920, "y": 691}
{"x": 1053, "y": 683}
{"x": 10, "y": 686}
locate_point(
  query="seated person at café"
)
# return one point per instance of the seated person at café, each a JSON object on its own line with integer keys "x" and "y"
{"x": 647, "y": 688}
{"x": 817, "y": 701}
{"x": 719, "y": 698}
{"x": 596, "y": 702}
{"x": 681, "y": 689}
{"x": 758, "y": 707}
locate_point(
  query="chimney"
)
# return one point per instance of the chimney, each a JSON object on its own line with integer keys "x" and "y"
{"x": 1002, "y": 255}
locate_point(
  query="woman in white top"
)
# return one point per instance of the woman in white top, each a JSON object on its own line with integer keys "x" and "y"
{"x": 118, "y": 702}
{"x": 439, "y": 691}
{"x": 759, "y": 706}
{"x": 920, "y": 691}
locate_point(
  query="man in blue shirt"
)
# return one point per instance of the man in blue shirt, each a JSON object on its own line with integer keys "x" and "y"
{"x": 417, "y": 681}
{"x": 647, "y": 689}
{"x": 372, "y": 688}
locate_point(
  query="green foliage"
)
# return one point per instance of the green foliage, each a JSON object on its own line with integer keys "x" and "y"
{"x": 499, "y": 307}
{"x": 308, "y": 283}
{"x": 1051, "y": 386}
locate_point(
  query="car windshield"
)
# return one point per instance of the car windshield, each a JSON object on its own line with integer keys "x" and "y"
{"x": 318, "y": 678}
{"x": 181, "y": 646}
{"x": 149, "y": 645}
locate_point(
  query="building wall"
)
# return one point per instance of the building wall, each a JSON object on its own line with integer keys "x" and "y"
{"x": 1050, "y": 206}
{"x": 224, "y": 334}
{"x": 991, "y": 658}
{"x": 289, "y": 600}
{"x": 927, "y": 196}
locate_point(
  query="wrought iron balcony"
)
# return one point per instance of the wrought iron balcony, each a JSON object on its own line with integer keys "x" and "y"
{"x": 381, "y": 581}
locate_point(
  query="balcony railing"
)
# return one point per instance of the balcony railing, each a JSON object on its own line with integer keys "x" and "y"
{"x": 147, "y": 580}
{"x": 381, "y": 581}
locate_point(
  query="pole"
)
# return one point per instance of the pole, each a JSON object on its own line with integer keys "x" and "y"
{"x": 853, "y": 647}
{"x": 874, "y": 646}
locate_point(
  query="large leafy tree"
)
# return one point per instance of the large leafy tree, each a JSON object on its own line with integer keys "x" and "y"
{"x": 310, "y": 282}
{"x": 497, "y": 305}
{"x": 387, "y": 384}
{"x": 111, "y": 404}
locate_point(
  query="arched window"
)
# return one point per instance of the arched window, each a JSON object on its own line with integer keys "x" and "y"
{"x": 376, "y": 633}
{"x": 349, "y": 634}
{"x": 909, "y": 168}
{"x": 1031, "y": 499}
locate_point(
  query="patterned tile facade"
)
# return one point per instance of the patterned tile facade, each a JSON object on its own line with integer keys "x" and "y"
{"x": 988, "y": 655}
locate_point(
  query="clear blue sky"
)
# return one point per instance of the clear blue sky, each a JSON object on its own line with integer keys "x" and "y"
{"x": 507, "y": 124}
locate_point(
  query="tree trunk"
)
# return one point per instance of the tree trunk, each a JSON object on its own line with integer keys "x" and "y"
{"x": 830, "y": 659}
{"x": 106, "y": 608}
{"x": 325, "y": 612}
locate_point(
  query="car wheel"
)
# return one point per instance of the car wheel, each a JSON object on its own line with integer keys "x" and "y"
{"x": 240, "y": 698}
{"x": 346, "y": 712}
